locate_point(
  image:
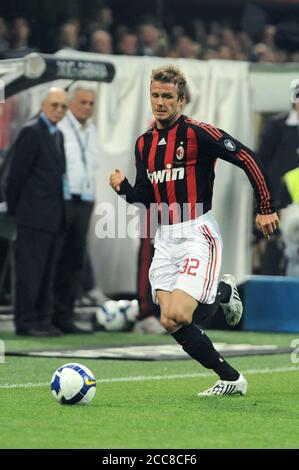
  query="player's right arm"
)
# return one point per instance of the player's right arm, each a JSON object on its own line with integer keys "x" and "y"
{"x": 142, "y": 192}
{"x": 116, "y": 179}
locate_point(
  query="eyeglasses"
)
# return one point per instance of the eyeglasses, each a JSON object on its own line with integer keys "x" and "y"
{"x": 84, "y": 102}
{"x": 57, "y": 105}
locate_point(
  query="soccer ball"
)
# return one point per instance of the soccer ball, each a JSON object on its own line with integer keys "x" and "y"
{"x": 116, "y": 315}
{"x": 73, "y": 384}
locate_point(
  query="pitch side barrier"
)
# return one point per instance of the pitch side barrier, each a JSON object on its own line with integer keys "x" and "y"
{"x": 17, "y": 75}
{"x": 34, "y": 69}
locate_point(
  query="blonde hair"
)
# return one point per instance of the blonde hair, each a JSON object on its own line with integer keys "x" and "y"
{"x": 170, "y": 74}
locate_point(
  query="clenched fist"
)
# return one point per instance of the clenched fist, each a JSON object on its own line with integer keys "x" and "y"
{"x": 116, "y": 178}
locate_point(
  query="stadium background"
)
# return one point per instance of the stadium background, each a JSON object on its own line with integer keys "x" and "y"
{"x": 233, "y": 95}
{"x": 144, "y": 404}
{"x": 166, "y": 12}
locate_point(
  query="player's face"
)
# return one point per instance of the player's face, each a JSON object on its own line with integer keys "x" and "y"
{"x": 82, "y": 105}
{"x": 166, "y": 104}
{"x": 55, "y": 106}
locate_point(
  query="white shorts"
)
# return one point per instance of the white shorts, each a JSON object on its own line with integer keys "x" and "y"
{"x": 188, "y": 257}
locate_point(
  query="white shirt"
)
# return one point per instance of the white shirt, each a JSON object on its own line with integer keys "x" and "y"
{"x": 292, "y": 119}
{"x": 76, "y": 170}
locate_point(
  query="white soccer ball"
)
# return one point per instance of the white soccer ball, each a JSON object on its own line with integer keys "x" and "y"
{"x": 130, "y": 309}
{"x": 73, "y": 384}
{"x": 116, "y": 315}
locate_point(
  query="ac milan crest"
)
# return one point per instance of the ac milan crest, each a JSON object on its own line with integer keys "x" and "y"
{"x": 180, "y": 152}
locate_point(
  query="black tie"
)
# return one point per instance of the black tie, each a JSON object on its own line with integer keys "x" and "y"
{"x": 58, "y": 141}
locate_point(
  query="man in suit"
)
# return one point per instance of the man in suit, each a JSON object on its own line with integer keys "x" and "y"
{"x": 34, "y": 196}
{"x": 82, "y": 157}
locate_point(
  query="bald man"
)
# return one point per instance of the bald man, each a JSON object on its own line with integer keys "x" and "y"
{"x": 35, "y": 198}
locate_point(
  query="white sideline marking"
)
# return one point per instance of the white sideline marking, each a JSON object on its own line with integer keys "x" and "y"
{"x": 143, "y": 378}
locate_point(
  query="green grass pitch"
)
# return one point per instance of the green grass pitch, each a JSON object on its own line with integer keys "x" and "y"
{"x": 149, "y": 404}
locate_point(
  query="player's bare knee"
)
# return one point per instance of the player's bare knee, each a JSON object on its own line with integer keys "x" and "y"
{"x": 180, "y": 315}
{"x": 168, "y": 324}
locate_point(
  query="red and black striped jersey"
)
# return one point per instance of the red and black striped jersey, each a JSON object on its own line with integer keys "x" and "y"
{"x": 175, "y": 166}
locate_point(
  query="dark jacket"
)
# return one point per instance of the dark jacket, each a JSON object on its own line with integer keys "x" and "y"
{"x": 34, "y": 190}
{"x": 278, "y": 151}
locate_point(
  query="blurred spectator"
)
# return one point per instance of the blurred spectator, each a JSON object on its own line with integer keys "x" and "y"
{"x": 20, "y": 39}
{"x": 4, "y": 45}
{"x": 68, "y": 37}
{"x": 101, "y": 42}
{"x": 268, "y": 36}
{"x": 21, "y": 33}
{"x": 210, "y": 53}
{"x": 186, "y": 48}
{"x": 176, "y": 32}
{"x": 262, "y": 53}
{"x": 228, "y": 38}
{"x": 151, "y": 40}
{"x": 226, "y": 53}
{"x": 280, "y": 56}
{"x": 245, "y": 42}
{"x": 104, "y": 21}
{"x": 259, "y": 41}
{"x": 215, "y": 28}
{"x": 212, "y": 41}
{"x": 13, "y": 115}
{"x": 199, "y": 30}
{"x": 127, "y": 44}
{"x": 8, "y": 112}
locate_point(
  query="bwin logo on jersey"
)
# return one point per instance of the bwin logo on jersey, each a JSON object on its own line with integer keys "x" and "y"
{"x": 170, "y": 174}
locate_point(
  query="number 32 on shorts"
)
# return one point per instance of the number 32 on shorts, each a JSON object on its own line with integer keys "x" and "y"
{"x": 190, "y": 266}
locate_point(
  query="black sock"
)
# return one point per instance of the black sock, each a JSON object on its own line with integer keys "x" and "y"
{"x": 199, "y": 346}
{"x": 204, "y": 311}
{"x": 224, "y": 292}
{"x": 225, "y": 370}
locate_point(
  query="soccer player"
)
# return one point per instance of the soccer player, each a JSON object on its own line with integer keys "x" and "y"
{"x": 175, "y": 162}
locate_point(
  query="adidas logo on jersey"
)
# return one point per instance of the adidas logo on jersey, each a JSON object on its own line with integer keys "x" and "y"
{"x": 162, "y": 141}
{"x": 170, "y": 174}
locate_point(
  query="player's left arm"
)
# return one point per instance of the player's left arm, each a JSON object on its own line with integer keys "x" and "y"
{"x": 267, "y": 223}
{"x": 219, "y": 144}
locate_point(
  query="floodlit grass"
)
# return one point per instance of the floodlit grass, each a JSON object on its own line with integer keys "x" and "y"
{"x": 161, "y": 412}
